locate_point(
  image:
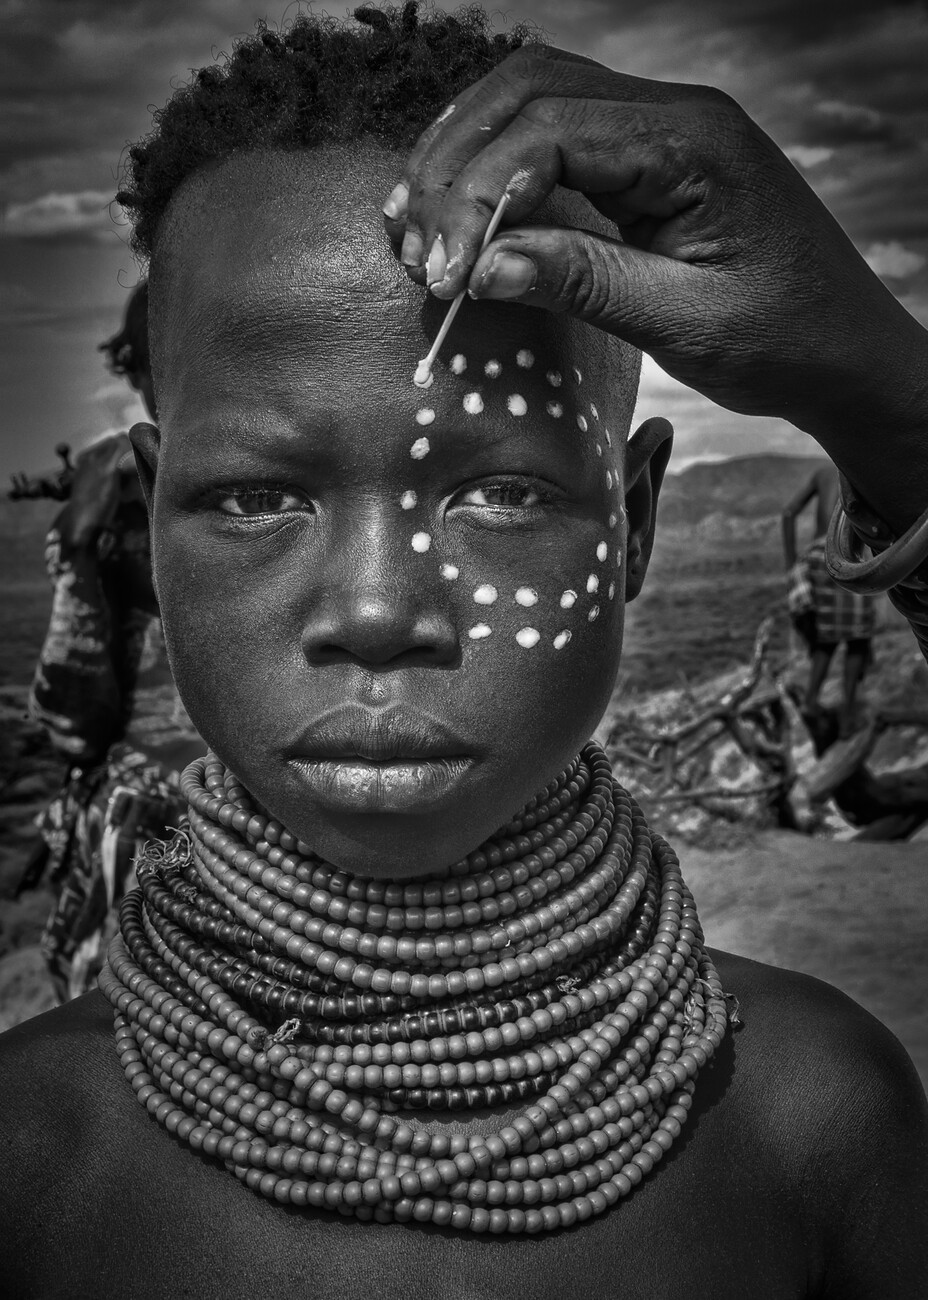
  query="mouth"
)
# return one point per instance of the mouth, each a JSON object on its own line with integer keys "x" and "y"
{"x": 396, "y": 759}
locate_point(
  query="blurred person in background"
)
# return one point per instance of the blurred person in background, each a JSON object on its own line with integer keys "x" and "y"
{"x": 103, "y": 689}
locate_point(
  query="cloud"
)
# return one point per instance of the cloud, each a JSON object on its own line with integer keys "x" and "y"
{"x": 807, "y": 156}
{"x": 82, "y": 212}
{"x": 893, "y": 261}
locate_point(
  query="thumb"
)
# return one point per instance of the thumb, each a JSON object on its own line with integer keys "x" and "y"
{"x": 653, "y": 302}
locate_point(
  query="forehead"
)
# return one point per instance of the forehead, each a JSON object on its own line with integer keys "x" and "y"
{"x": 274, "y": 267}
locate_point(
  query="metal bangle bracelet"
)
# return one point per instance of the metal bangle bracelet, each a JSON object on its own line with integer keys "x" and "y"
{"x": 891, "y": 567}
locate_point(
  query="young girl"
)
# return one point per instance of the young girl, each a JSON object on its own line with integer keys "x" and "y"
{"x": 418, "y": 1005}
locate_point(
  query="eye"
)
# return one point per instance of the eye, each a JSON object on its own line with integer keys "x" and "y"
{"x": 506, "y": 494}
{"x": 251, "y": 502}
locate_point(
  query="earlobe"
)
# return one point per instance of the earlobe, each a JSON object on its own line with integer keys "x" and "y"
{"x": 647, "y": 454}
{"x": 146, "y": 443}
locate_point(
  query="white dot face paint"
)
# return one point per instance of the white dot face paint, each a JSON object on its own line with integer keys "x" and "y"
{"x": 601, "y": 552}
{"x": 611, "y": 590}
{"x": 419, "y": 448}
{"x": 479, "y": 631}
{"x": 568, "y": 600}
{"x": 473, "y": 403}
{"x": 608, "y": 478}
{"x": 561, "y": 639}
{"x": 599, "y": 449}
{"x": 582, "y": 423}
{"x": 554, "y": 378}
{"x": 458, "y": 363}
{"x": 592, "y": 583}
{"x": 517, "y": 404}
{"x": 408, "y": 500}
{"x": 450, "y": 571}
{"x": 485, "y": 595}
{"x": 577, "y": 376}
{"x": 608, "y": 439}
{"x": 555, "y": 409}
{"x": 423, "y": 378}
{"x": 526, "y": 596}
{"x": 425, "y": 416}
{"x": 593, "y": 614}
{"x": 613, "y": 520}
{"x": 525, "y": 359}
{"x": 528, "y": 637}
{"x": 493, "y": 370}
{"x": 421, "y": 542}
{"x": 594, "y": 412}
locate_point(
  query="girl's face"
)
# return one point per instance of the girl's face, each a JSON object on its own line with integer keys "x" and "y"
{"x": 395, "y": 613}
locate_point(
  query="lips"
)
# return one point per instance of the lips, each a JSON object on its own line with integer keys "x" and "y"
{"x": 396, "y": 759}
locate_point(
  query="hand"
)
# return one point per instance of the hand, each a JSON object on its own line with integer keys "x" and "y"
{"x": 733, "y": 275}
{"x": 96, "y": 491}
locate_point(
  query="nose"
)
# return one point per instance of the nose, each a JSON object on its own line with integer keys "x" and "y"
{"x": 381, "y": 607}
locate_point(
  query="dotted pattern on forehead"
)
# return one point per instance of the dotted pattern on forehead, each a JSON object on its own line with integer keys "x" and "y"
{"x": 555, "y": 409}
{"x": 526, "y": 596}
{"x": 517, "y": 404}
{"x": 449, "y": 571}
{"x": 568, "y": 599}
{"x": 493, "y": 370}
{"x": 419, "y": 448}
{"x": 561, "y": 639}
{"x": 593, "y": 614}
{"x": 525, "y": 359}
{"x": 528, "y": 637}
{"x": 408, "y": 500}
{"x": 486, "y": 594}
{"x": 601, "y": 552}
{"x": 425, "y": 416}
{"x": 592, "y": 584}
{"x": 473, "y": 403}
{"x": 458, "y": 363}
{"x": 421, "y": 542}
{"x": 554, "y": 378}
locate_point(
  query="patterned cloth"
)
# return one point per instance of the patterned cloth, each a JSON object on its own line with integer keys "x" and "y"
{"x": 839, "y": 615}
{"x": 104, "y": 692}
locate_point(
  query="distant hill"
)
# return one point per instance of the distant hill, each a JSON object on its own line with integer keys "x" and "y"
{"x": 745, "y": 487}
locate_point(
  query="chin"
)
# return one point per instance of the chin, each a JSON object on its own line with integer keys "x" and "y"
{"x": 388, "y": 846}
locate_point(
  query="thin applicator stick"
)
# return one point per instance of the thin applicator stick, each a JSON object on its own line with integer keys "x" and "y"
{"x": 423, "y": 374}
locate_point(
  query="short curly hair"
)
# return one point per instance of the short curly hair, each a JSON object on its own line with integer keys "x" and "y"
{"x": 317, "y": 81}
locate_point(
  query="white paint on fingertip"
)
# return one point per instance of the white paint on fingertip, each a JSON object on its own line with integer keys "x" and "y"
{"x": 517, "y": 404}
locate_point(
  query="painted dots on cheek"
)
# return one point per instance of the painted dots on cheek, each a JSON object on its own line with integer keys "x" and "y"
{"x": 419, "y": 448}
{"x": 592, "y": 583}
{"x": 582, "y": 423}
{"x": 577, "y": 376}
{"x": 425, "y": 416}
{"x": 608, "y": 478}
{"x": 593, "y": 614}
{"x": 555, "y": 409}
{"x": 554, "y": 378}
{"x": 493, "y": 370}
{"x": 450, "y": 571}
{"x": 473, "y": 403}
{"x": 421, "y": 542}
{"x": 611, "y": 590}
{"x": 485, "y": 594}
{"x": 561, "y": 639}
{"x": 458, "y": 363}
{"x": 525, "y": 358}
{"x": 613, "y": 520}
{"x": 568, "y": 599}
{"x": 408, "y": 500}
{"x": 517, "y": 404}
{"x": 601, "y": 552}
{"x": 599, "y": 449}
{"x": 528, "y": 637}
{"x": 526, "y": 596}
{"x": 479, "y": 631}
{"x": 594, "y": 412}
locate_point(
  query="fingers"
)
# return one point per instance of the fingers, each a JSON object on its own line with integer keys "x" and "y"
{"x": 653, "y": 302}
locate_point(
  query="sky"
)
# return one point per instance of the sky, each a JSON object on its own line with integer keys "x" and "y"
{"x": 839, "y": 84}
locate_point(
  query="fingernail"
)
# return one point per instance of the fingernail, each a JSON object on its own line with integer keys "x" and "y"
{"x": 509, "y": 275}
{"x": 411, "y": 252}
{"x": 437, "y": 263}
{"x": 397, "y": 202}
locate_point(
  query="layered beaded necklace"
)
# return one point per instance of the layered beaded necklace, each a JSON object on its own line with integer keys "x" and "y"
{"x": 306, "y": 1027}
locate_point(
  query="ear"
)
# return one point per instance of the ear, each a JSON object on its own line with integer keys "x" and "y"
{"x": 646, "y": 455}
{"x": 146, "y": 443}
